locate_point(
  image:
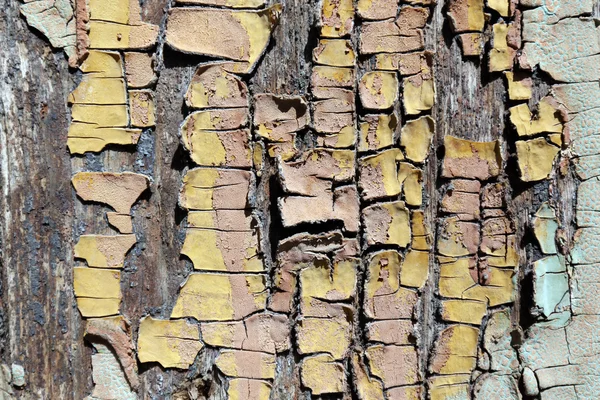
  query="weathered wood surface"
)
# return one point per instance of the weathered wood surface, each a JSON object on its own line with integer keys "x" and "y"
{"x": 41, "y": 327}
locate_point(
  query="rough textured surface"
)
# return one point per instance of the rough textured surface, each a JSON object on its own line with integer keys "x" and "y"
{"x": 293, "y": 213}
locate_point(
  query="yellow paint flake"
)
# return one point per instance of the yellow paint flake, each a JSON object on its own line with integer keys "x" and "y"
{"x": 337, "y": 283}
{"x": 219, "y": 297}
{"x": 104, "y": 251}
{"x": 455, "y": 351}
{"x": 415, "y": 269}
{"x": 326, "y": 76}
{"x": 103, "y": 64}
{"x": 324, "y": 335}
{"x": 501, "y": 6}
{"x": 99, "y": 116}
{"x": 377, "y": 9}
{"x": 366, "y": 387}
{"x": 536, "y": 158}
{"x": 384, "y": 273}
{"x": 411, "y": 179}
{"x": 334, "y": 52}
{"x": 218, "y": 148}
{"x": 214, "y": 189}
{"x": 322, "y": 374}
{"x": 116, "y": 36}
{"x": 457, "y": 282}
{"x": 232, "y": 35}
{"x": 213, "y": 87}
{"x": 379, "y": 174}
{"x": 405, "y": 63}
{"x": 337, "y": 18}
{"x": 547, "y": 119}
{"x": 98, "y": 90}
{"x": 226, "y": 3}
{"x": 377, "y": 131}
{"x": 387, "y": 223}
{"x": 141, "y": 108}
{"x": 378, "y": 90}
{"x": 519, "y": 86}
{"x": 463, "y": 311}
{"x": 246, "y": 364}
{"x": 419, "y": 94}
{"x": 501, "y": 55}
{"x": 121, "y": 11}
{"x": 472, "y": 160}
{"x": 83, "y": 138}
{"x": 173, "y": 344}
{"x": 118, "y": 190}
{"x": 98, "y": 291}
{"x": 248, "y": 389}
{"x": 220, "y": 249}
{"x": 416, "y": 136}
{"x": 450, "y": 392}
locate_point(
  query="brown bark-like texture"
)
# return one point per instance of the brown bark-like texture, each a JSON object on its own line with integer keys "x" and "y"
{"x": 336, "y": 199}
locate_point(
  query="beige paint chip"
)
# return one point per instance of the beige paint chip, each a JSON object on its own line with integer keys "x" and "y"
{"x": 173, "y": 344}
{"x": 377, "y": 131}
{"x": 248, "y": 389}
{"x": 213, "y": 87}
{"x": 472, "y": 160}
{"x": 325, "y": 76}
{"x": 233, "y": 35}
{"x": 139, "y": 70}
{"x": 337, "y": 18}
{"x": 104, "y": 251}
{"x": 218, "y": 148}
{"x": 405, "y": 63}
{"x": 267, "y": 333}
{"x": 394, "y": 365}
{"x": 141, "y": 108}
{"x": 118, "y": 190}
{"x": 275, "y": 117}
{"x": 378, "y": 90}
{"x": 389, "y": 37}
{"x": 466, "y": 15}
{"x": 98, "y": 291}
{"x": 246, "y": 364}
{"x": 387, "y": 223}
{"x": 215, "y": 188}
{"x": 121, "y": 222}
{"x": 220, "y": 297}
